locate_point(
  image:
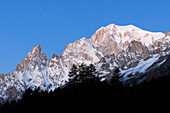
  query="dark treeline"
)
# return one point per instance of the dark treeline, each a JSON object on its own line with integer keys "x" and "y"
{"x": 91, "y": 95}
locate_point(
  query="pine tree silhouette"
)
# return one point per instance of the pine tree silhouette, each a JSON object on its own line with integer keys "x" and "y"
{"x": 73, "y": 71}
{"x": 115, "y": 79}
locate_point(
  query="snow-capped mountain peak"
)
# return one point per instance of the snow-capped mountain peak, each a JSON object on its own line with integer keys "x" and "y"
{"x": 112, "y": 46}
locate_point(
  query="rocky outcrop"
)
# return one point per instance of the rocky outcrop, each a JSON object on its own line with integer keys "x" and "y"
{"x": 105, "y": 42}
{"x": 2, "y": 76}
{"x": 167, "y": 33}
{"x": 79, "y": 52}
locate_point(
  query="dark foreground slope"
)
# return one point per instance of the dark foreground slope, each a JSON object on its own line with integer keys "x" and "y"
{"x": 94, "y": 96}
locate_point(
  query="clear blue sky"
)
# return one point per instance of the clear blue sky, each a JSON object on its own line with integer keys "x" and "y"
{"x": 55, "y": 23}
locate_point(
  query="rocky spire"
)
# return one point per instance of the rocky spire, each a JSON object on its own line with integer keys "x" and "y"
{"x": 36, "y": 49}
{"x": 2, "y": 76}
{"x": 167, "y": 33}
{"x": 55, "y": 56}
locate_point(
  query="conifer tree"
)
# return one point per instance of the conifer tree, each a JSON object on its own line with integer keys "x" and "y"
{"x": 82, "y": 72}
{"x": 115, "y": 79}
{"x": 91, "y": 72}
{"x": 73, "y": 71}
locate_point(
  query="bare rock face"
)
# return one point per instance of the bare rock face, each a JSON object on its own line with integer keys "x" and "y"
{"x": 104, "y": 41}
{"x": 2, "y": 76}
{"x": 131, "y": 49}
{"x": 81, "y": 51}
{"x": 139, "y": 50}
{"x": 167, "y": 33}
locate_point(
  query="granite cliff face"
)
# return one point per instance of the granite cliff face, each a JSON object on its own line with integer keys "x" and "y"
{"x": 132, "y": 49}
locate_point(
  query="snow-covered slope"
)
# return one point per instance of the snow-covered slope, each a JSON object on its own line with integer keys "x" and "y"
{"x": 113, "y": 38}
{"x": 130, "y": 48}
{"x": 135, "y": 61}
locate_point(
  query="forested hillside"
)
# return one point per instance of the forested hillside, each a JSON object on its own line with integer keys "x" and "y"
{"x": 86, "y": 94}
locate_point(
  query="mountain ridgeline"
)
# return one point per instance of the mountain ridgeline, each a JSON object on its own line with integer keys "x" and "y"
{"x": 140, "y": 56}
